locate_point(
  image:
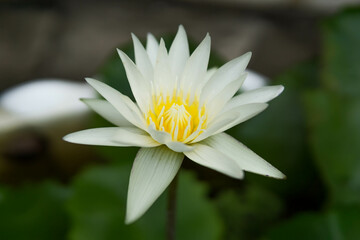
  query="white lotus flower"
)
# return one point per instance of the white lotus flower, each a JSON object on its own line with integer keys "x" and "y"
{"x": 181, "y": 109}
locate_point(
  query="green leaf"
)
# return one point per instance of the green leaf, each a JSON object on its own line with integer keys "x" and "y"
{"x": 34, "y": 211}
{"x": 97, "y": 209}
{"x": 335, "y": 136}
{"x": 333, "y": 112}
{"x": 197, "y": 216}
{"x": 341, "y": 53}
{"x": 247, "y": 214}
{"x": 338, "y": 224}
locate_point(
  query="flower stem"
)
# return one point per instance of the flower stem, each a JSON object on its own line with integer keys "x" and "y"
{"x": 171, "y": 210}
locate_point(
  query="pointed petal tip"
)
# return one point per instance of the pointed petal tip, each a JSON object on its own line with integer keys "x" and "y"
{"x": 65, "y": 138}
{"x": 181, "y": 28}
{"x": 278, "y": 89}
{"x": 150, "y": 36}
{"x": 90, "y": 80}
{"x": 162, "y": 50}
{"x": 204, "y": 46}
{"x": 130, "y": 220}
{"x": 85, "y": 100}
{"x": 135, "y": 38}
{"x": 279, "y": 176}
{"x": 120, "y": 52}
{"x": 162, "y": 42}
{"x": 124, "y": 58}
{"x": 94, "y": 83}
{"x": 88, "y": 101}
{"x": 243, "y": 60}
{"x": 243, "y": 156}
{"x": 207, "y": 37}
{"x": 133, "y": 215}
{"x": 181, "y": 31}
{"x": 247, "y": 56}
{"x": 241, "y": 175}
{"x": 281, "y": 89}
{"x": 68, "y": 138}
{"x": 208, "y": 157}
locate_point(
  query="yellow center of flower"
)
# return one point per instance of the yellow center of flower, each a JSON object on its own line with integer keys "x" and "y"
{"x": 183, "y": 120}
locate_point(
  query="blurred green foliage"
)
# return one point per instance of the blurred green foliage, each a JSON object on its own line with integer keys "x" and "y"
{"x": 34, "y": 211}
{"x": 333, "y": 125}
{"x": 342, "y": 223}
{"x": 97, "y": 208}
{"x": 311, "y": 133}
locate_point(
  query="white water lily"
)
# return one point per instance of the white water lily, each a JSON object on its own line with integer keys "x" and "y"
{"x": 181, "y": 109}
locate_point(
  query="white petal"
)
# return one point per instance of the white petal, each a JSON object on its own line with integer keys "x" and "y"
{"x": 107, "y": 111}
{"x": 223, "y": 76}
{"x": 260, "y": 95}
{"x": 159, "y": 136}
{"x": 179, "y": 146}
{"x": 96, "y": 136}
{"x": 210, "y": 72}
{"x": 196, "y": 66}
{"x": 242, "y": 155}
{"x": 245, "y": 112}
{"x": 231, "y": 118}
{"x": 134, "y": 137}
{"x": 211, "y": 158}
{"x": 215, "y": 105}
{"x": 179, "y": 52}
{"x": 152, "y": 48}
{"x": 163, "y": 77}
{"x": 221, "y": 121}
{"x": 152, "y": 171}
{"x": 139, "y": 86}
{"x": 122, "y": 103}
{"x": 142, "y": 59}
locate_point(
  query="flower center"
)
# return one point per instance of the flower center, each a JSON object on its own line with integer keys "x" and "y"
{"x": 177, "y": 119}
{"x": 183, "y": 121}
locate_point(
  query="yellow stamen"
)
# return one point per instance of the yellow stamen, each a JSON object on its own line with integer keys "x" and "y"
{"x": 177, "y": 117}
